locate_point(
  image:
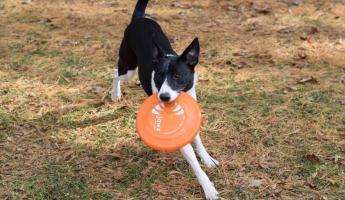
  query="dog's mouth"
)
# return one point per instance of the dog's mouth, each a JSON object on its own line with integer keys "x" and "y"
{"x": 168, "y": 96}
{"x": 166, "y": 93}
{"x": 165, "y": 97}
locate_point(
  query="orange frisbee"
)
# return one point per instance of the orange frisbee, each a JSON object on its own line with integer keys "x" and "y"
{"x": 168, "y": 126}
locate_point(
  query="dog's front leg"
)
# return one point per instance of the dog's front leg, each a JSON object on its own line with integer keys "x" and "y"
{"x": 205, "y": 157}
{"x": 200, "y": 149}
{"x": 208, "y": 187}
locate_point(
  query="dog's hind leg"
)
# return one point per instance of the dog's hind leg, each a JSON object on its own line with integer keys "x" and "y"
{"x": 208, "y": 187}
{"x": 116, "y": 91}
{"x": 125, "y": 71}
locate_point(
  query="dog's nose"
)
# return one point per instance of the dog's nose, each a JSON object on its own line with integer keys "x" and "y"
{"x": 165, "y": 97}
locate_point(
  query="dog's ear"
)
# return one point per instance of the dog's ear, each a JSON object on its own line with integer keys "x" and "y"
{"x": 157, "y": 52}
{"x": 191, "y": 54}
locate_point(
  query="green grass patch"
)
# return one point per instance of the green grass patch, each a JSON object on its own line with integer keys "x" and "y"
{"x": 73, "y": 65}
{"x": 46, "y": 53}
{"x": 63, "y": 97}
{"x": 6, "y": 125}
{"x": 55, "y": 181}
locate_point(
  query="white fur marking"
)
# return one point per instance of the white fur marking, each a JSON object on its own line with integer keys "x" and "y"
{"x": 167, "y": 89}
{"x": 116, "y": 91}
{"x": 130, "y": 74}
{"x": 200, "y": 149}
{"x": 205, "y": 157}
{"x": 153, "y": 85}
{"x": 208, "y": 187}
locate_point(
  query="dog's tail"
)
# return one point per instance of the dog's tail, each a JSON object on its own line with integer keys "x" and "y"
{"x": 139, "y": 10}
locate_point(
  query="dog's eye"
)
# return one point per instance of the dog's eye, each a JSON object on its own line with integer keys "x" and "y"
{"x": 176, "y": 76}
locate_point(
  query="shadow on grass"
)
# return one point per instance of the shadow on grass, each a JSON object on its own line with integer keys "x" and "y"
{"x": 53, "y": 119}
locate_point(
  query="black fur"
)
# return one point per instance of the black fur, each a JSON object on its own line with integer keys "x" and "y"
{"x": 139, "y": 10}
{"x": 145, "y": 45}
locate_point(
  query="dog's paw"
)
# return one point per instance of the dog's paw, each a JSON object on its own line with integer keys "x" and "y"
{"x": 210, "y": 191}
{"x": 115, "y": 96}
{"x": 209, "y": 161}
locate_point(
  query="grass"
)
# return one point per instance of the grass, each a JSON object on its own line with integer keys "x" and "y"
{"x": 62, "y": 138}
{"x": 6, "y": 125}
{"x": 53, "y": 182}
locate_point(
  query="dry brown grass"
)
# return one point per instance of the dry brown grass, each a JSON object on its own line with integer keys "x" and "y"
{"x": 276, "y": 139}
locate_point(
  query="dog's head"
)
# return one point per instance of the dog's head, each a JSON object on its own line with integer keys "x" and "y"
{"x": 173, "y": 74}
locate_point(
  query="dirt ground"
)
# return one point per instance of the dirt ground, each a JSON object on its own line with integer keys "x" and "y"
{"x": 272, "y": 90}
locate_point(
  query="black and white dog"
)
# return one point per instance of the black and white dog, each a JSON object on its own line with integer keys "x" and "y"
{"x": 164, "y": 72}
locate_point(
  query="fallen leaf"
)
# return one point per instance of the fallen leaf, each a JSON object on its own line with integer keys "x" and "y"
{"x": 179, "y": 5}
{"x": 336, "y": 158}
{"x": 240, "y": 53}
{"x": 342, "y": 102}
{"x": 26, "y": 1}
{"x": 313, "y": 30}
{"x": 262, "y": 8}
{"x": 295, "y": 2}
{"x": 312, "y": 157}
{"x": 338, "y": 10}
{"x": 286, "y": 30}
{"x": 97, "y": 46}
{"x": 45, "y": 20}
{"x": 342, "y": 80}
{"x": 111, "y": 157}
{"x": 204, "y": 80}
{"x": 308, "y": 80}
{"x": 302, "y": 55}
{"x": 295, "y": 131}
{"x": 242, "y": 76}
{"x": 31, "y": 94}
{"x": 98, "y": 90}
{"x": 314, "y": 175}
{"x": 162, "y": 189}
{"x": 136, "y": 184}
{"x": 264, "y": 165}
{"x": 240, "y": 65}
{"x": 311, "y": 185}
{"x": 228, "y": 62}
{"x": 265, "y": 162}
{"x": 110, "y": 4}
{"x": 173, "y": 172}
{"x": 70, "y": 43}
{"x": 292, "y": 88}
{"x": 255, "y": 183}
{"x": 118, "y": 175}
{"x": 52, "y": 146}
{"x": 303, "y": 37}
{"x": 300, "y": 64}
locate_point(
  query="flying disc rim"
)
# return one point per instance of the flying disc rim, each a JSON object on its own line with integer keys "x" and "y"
{"x": 173, "y": 142}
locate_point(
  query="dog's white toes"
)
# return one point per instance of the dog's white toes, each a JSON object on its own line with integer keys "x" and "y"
{"x": 209, "y": 161}
{"x": 210, "y": 191}
{"x": 115, "y": 96}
